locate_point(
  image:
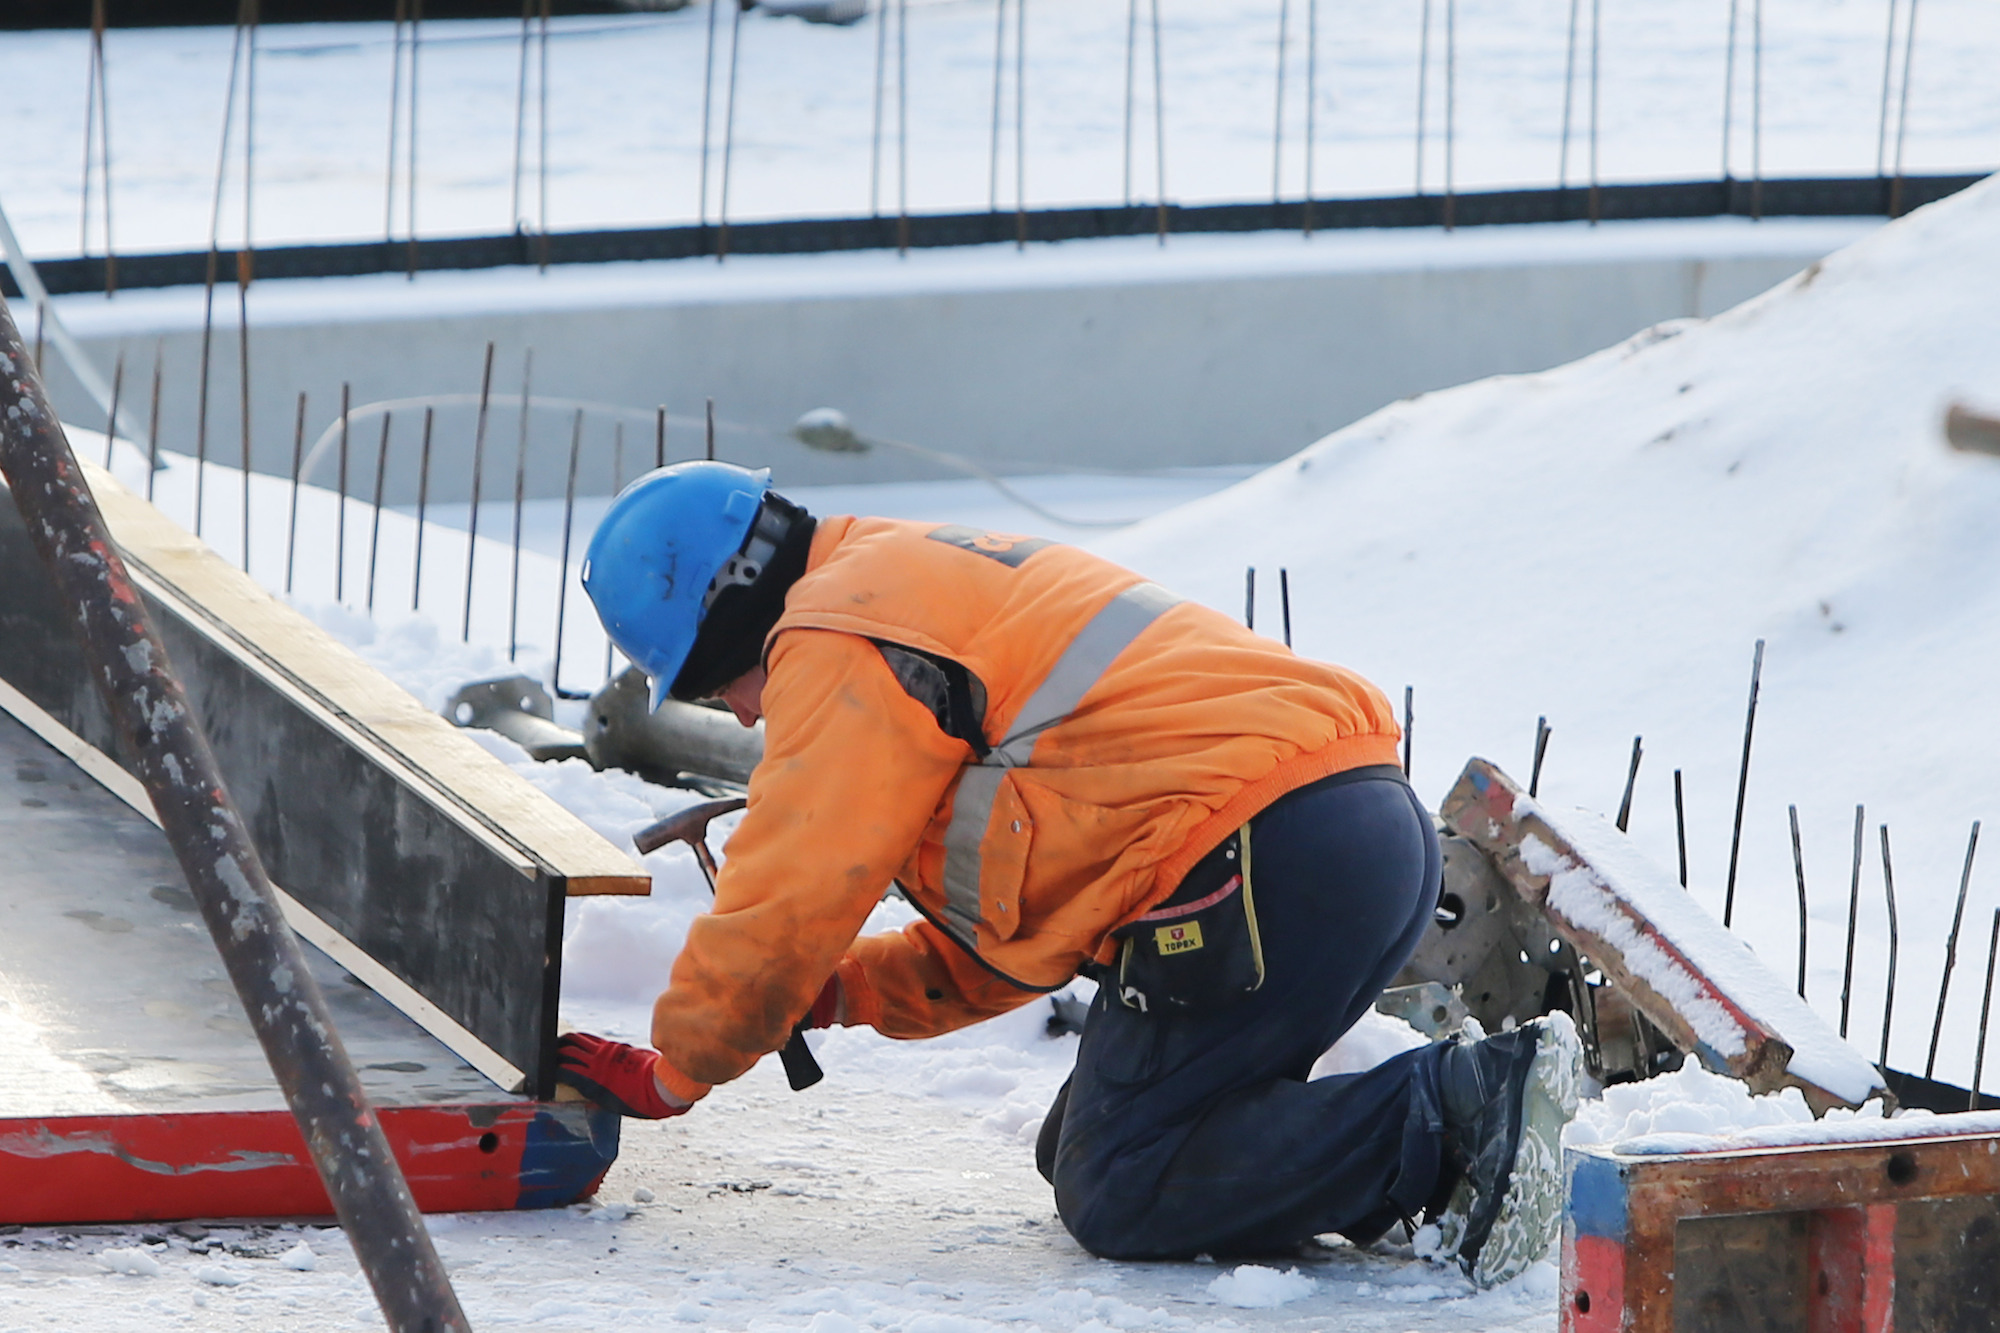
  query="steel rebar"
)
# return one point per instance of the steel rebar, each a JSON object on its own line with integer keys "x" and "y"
{"x": 1631, "y": 781}
{"x": 1569, "y": 98}
{"x": 111, "y": 414}
{"x": 1250, "y": 597}
{"x": 1423, "y": 90}
{"x": 1131, "y": 81}
{"x": 728, "y": 135}
{"x": 902, "y": 127}
{"x": 1278, "y": 119}
{"x": 1985, "y": 1010}
{"x": 562, "y": 572}
{"x": 246, "y": 261}
{"x": 710, "y": 454}
{"x": 1903, "y": 111}
{"x": 375, "y": 523}
{"x": 520, "y": 495}
{"x": 1888, "y": 72}
{"x": 1285, "y": 602}
{"x": 169, "y": 754}
{"x": 1742, "y": 787}
{"x": 1729, "y": 90}
{"x": 882, "y": 24}
{"x": 542, "y": 151}
{"x": 1799, "y": 872}
{"x": 209, "y": 275}
{"x": 298, "y": 460}
{"x": 660, "y": 436}
{"x": 1159, "y": 125}
{"x": 1312, "y": 102}
{"x": 1889, "y": 990}
{"x": 1021, "y": 125}
{"x": 410, "y": 157}
{"x": 1680, "y": 828}
{"x": 153, "y": 423}
{"x": 1596, "y": 68}
{"x": 1853, "y": 913}
{"x": 1542, "y": 732}
{"x": 515, "y": 221}
{"x": 340, "y": 504}
{"x": 1951, "y": 950}
{"x": 1450, "y": 107}
{"x": 1757, "y": 110}
{"x": 395, "y": 119}
{"x": 999, "y": 68}
{"x": 472, "y": 511}
{"x": 423, "y": 502}
{"x": 1409, "y": 725}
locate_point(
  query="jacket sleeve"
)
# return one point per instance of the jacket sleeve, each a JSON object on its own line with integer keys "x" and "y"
{"x": 853, "y": 772}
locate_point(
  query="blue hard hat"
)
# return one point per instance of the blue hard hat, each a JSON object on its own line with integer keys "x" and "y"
{"x": 657, "y": 550}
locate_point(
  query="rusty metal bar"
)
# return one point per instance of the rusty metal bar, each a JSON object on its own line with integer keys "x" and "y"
{"x": 1951, "y": 950}
{"x": 171, "y": 756}
{"x": 1742, "y": 786}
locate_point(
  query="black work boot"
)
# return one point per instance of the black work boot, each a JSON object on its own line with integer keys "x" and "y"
{"x": 1506, "y": 1100}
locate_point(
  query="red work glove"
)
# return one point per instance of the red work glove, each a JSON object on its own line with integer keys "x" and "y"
{"x": 615, "y": 1076}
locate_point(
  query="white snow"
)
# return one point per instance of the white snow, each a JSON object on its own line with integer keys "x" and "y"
{"x": 132, "y": 1262}
{"x": 1254, "y": 1287}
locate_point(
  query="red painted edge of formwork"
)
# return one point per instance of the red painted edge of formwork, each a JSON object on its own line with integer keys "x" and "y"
{"x": 249, "y": 1164}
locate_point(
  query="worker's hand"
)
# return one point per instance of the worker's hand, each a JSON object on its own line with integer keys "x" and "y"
{"x": 830, "y": 1009}
{"x": 615, "y": 1076}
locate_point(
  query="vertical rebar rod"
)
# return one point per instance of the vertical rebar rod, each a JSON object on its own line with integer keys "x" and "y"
{"x": 999, "y": 68}
{"x": 410, "y": 157}
{"x": 902, "y": 127}
{"x": 1285, "y": 602}
{"x": 1742, "y": 787}
{"x": 515, "y": 220}
{"x": 298, "y": 461}
{"x": 423, "y": 503}
{"x": 1569, "y": 98}
{"x": 1951, "y": 950}
{"x": 1853, "y": 914}
{"x": 1021, "y": 125}
{"x": 1278, "y": 116}
{"x": 1799, "y": 873}
{"x": 1423, "y": 89}
{"x": 617, "y": 480}
{"x": 1159, "y": 125}
{"x": 472, "y": 510}
{"x": 1903, "y": 112}
{"x": 1596, "y": 71}
{"x": 41, "y": 324}
{"x": 395, "y": 121}
{"x": 90, "y": 122}
{"x": 1450, "y": 106}
{"x": 1729, "y": 90}
{"x": 1409, "y": 725}
{"x": 728, "y": 134}
{"x": 340, "y": 504}
{"x": 520, "y": 496}
{"x": 1985, "y": 1010}
{"x": 1131, "y": 82}
{"x": 209, "y": 277}
{"x": 1888, "y": 72}
{"x": 111, "y": 415}
{"x": 1542, "y": 733}
{"x": 1680, "y": 828}
{"x": 882, "y": 23}
{"x": 1250, "y": 597}
{"x": 375, "y": 523}
{"x": 246, "y": 261}
{"x": 170, "y": 755}
{"x": 98, "y": 102}
{"x": 542, "y": 151}
{"x": 1631, "y": 781}
{"x": 1889, "y": 990}
{"x": 562, "y": 571}
{"x": 710, "y": 438}
{"x": 153, "y": 423}
{"x": 1312, "y": 108}
{"x": 1757, "y": 110}
{"x": 660, "y": 436}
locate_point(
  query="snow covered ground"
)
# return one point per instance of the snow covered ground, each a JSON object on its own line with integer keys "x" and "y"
{"x": 624, "y": 128}
{"x": 1600, "y": 543}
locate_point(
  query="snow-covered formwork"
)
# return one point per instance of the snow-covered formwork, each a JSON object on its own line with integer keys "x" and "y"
{"x": 427, "y": 881}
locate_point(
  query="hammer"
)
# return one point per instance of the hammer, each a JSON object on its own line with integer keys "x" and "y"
{"x": 691, "y": 827}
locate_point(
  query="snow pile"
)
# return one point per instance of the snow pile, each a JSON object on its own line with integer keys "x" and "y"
{"x": 1601, "y": 544}
{"x": 133, "y": 1262}
{"x": 1251, "y": 1287}
{"x": 1689, "y": 1101}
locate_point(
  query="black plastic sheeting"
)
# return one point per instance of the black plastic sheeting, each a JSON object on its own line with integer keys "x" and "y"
{"x": 1825, "y": 197}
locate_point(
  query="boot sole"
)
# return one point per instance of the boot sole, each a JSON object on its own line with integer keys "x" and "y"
{"x": 1531, "y": 1208}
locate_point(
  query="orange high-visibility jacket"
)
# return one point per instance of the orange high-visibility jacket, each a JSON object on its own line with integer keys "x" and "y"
{"x": 1130, "y": 733}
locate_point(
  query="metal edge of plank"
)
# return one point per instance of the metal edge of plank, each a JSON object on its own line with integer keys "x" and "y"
{"x": 399, "y": 994}
{"x": 474, "y": 788}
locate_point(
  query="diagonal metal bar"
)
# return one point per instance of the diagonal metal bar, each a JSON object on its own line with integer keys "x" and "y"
{"x": 171, "y": 756}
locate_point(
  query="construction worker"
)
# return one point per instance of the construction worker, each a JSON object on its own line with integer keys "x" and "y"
{"x": 1068, "y": 770}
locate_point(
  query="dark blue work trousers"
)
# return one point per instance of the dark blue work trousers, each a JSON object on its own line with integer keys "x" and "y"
{"x": 1187, "y": 1134}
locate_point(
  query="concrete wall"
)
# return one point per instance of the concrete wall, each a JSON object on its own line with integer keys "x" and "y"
{"x": 1101, "y": 355}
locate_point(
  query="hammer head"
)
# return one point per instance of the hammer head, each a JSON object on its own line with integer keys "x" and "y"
{"x": 689, "y": 826}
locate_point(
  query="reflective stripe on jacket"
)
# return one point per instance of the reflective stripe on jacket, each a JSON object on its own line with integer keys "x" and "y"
{"x": 1128, "y": 733}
